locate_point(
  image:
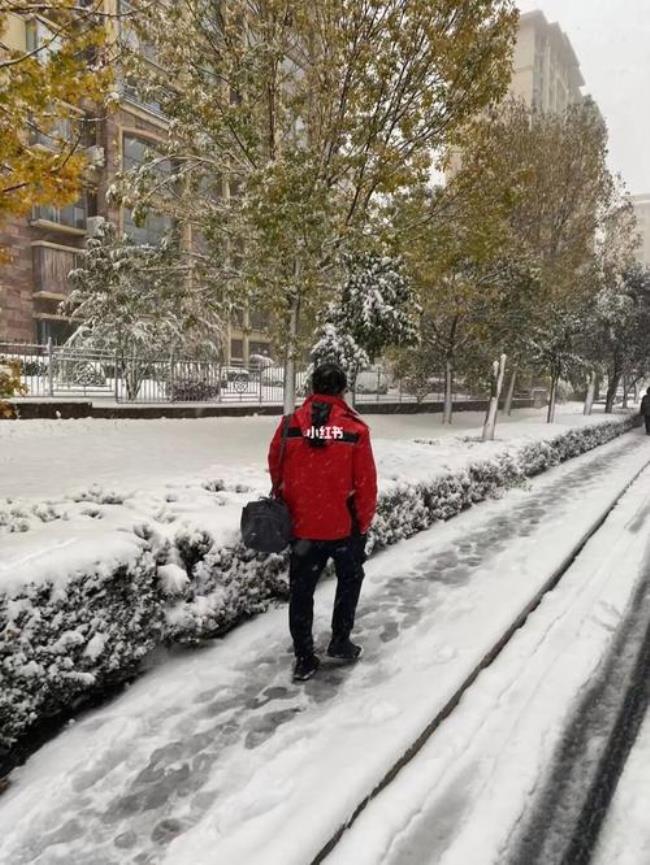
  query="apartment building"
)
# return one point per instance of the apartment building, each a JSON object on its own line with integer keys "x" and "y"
{"x": 641, "y": 205}
{"x": 546, "y": 71}
{"x": 44, "y": 245}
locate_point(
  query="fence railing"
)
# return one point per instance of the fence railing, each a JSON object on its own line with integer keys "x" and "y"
{"x": 59, "y": 371}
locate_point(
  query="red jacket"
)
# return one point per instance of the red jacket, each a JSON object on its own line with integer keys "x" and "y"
{"x": 330, "y": 489}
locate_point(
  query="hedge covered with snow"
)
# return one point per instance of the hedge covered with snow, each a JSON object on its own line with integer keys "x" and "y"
{"x": 66, "y": 636}
{"x": 63, "y": 638}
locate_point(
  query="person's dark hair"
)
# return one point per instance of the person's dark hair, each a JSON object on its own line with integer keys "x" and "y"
{"x": 329, "y": 379}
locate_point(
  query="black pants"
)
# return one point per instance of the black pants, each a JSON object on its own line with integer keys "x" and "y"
{"x": 308, "y": 560}
{"x": 646, "y": 418}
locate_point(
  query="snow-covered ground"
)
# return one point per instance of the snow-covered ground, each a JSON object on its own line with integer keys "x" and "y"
{"x": 70, "y": 491}
{"x": 216, "y": 756}
{"x": 44, "y": 459}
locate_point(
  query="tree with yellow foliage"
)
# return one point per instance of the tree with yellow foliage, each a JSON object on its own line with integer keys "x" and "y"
{"x": 46, "y": 87}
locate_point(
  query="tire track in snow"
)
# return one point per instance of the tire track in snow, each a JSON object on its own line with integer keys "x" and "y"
{"x": 568, "y": 814}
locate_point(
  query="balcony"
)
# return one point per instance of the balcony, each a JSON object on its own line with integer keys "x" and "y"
{"x": 70, "y": 219}
{"x": 51, "y": 266}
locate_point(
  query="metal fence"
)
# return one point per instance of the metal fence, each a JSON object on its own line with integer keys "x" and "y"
{"x": 62, "y": 372}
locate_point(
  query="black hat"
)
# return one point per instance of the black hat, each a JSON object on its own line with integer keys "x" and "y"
{"x": 329, "y": 379}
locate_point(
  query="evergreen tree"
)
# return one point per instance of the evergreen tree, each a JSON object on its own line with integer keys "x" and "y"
{"x": 138, "y": 301}
{"x": 376, "y": 309}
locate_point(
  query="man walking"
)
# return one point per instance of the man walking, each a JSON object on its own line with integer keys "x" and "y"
{"x": 644, "y": 411}
{"x": 328, "y": 481}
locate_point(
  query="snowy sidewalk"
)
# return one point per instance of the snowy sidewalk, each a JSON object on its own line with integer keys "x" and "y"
{"x": 216, "y": 756}
{"x": 505, "y": 778}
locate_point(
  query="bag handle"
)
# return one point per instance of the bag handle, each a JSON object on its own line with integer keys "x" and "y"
{"x": 283, "y": 447}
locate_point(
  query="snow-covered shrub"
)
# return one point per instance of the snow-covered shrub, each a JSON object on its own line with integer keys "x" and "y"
{"x": 400, "y": 513}
{"x": 35, "y": 368}
{"x": 61, "y": 640}
{"x": 21, "y": 518}
{"x": 86, "y": 375}
{"x": 193, "y": 546}
{"x": 540, "y": 456}
{"x": 99, "y": 496}
{"x": 193, "y": 390}
{"x": 226, "y": 586}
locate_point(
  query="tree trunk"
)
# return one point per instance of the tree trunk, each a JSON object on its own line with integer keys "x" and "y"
{"x": 591, "y": 390}
{"x": 625, "y": 391}
{"x": 498, "y": 371}
{"x": 511, "y": 392}
{"x": 352, "y": 386}
{"x": 449, "y": 382}
{"x": 612, "y": 387}
{"x": 550, "y": 415}
{"x": 290, "y": 364}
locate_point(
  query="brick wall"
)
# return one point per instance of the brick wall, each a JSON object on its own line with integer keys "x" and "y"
{"x": 16, "y": 283}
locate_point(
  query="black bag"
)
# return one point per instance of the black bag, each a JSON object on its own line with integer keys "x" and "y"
{"x": 266, "y": 523}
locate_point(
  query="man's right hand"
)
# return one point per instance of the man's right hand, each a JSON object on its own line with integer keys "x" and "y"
{"x": 359, "y": 542}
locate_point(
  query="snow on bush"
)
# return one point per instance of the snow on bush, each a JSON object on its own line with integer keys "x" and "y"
{"x": 86, "y": 622}
{"x": 65, "y": 635}
{"x": 227, "y": 586}
{"x": 405, "y": 511}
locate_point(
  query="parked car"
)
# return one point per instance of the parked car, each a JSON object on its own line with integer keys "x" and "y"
{"x": 259, "y": 362}
{"x": 272, "y": 376}
{"x": 236, "y": 375}
{"x": 372, "y": 381}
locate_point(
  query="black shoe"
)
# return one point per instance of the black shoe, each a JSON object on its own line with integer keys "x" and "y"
{"x": 305, "y": 668}
{"x": 344, "y": 650}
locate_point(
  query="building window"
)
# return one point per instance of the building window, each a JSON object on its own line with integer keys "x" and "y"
{"x": 151, "y": 232}
{"x": 39, "y": 38}
{"x": 136, "y": 152}
{"x": 263, "y": 348}
{"x": 56, "y": 330}
{"x": 71, "y": 215}
{"x": 258, "y": 319}
{"x": 77, "y": 130}
{"x": 129, "y": 33}
{"x": 131, "y": 89}
{"x": 237, "y": 349}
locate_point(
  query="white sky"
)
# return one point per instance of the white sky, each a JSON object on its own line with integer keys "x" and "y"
{"x": 612, "y": 41}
